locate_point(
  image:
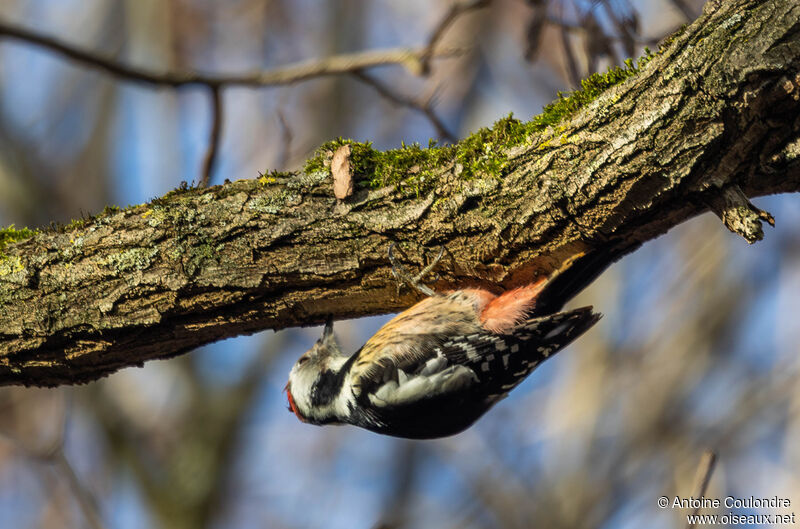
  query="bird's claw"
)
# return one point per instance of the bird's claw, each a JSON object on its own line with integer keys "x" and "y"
{"x": 403, "y": 277}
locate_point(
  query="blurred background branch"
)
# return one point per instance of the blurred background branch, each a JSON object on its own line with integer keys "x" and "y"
{"x": 334, "y": 65}
{"x": 701, "y": 479}
{"x": 415, "y": 61}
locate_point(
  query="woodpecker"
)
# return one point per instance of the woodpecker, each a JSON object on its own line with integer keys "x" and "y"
{"x": 436, "y": 368}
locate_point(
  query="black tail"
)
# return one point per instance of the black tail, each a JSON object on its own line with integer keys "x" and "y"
{"x": 532, "y": 342}
{"x": 559, "y": 329}
{"x": 570, "y": 282}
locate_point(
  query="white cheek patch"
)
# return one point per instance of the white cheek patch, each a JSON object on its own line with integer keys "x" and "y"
{"x": 302, "y": 380}
{"x": 420, "y": 386}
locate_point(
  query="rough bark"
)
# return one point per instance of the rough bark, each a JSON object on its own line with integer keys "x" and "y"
{"x": 712, "y": 120}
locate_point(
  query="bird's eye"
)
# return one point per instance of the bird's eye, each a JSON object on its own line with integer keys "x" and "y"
{"x": 303, "y": 360}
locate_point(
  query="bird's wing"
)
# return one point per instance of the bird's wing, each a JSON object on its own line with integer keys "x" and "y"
{"x": 410, "y": 344}
{"x": 440, "y": 364}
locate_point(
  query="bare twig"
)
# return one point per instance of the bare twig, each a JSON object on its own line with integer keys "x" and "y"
{"x": 533, "y": 33}
{"x": 399, "y": 498}
{"x": 574, "y": 27}
{"x": 214, "y": 135}
{"x": 456, "y": 10}
{"x": 628, "y": 27}
{"x": 596, "y": 43}
{"x": 335, "y": 65}
{"x": 417, "y": 61}
{"x": 53, "y": 453}
{"x": 219, "y": 434}
{"x": 423, "y": 108}
{"x": 701, "y": 479}
{"x": 85, "y": 498}
{"x": 286, "y": 142}
{"x": 569, "y": 59}
{"x": 684, "y": 7}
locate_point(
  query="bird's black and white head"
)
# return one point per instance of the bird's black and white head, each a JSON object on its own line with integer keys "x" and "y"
{"x": 316, "y": 380}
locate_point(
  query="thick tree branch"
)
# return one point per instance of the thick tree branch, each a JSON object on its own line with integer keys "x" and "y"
{"x": 715, "y": 116}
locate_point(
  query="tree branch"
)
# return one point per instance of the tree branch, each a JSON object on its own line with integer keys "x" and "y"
{"x": 210, "y": 157}
{"x": 416, "y": 61}
{"x": 413, "y": 59}
{"x": 424, "y": 108}
{"x": 714, "y": 116}
{"x": 457, "y": 9}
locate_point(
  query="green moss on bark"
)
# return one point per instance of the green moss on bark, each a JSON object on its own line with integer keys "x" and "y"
{"x": 11, "y": 235}
{"x": 414, "y": 168}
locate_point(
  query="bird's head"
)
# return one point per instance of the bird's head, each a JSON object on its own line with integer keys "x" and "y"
{"x": 312, "y": 389}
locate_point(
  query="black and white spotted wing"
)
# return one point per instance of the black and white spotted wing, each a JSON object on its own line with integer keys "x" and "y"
{"x": 502, "y": 361}
{"x": 464, "y": 376}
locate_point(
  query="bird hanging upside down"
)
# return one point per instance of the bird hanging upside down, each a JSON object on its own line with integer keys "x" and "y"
{"x": 436, "y": 368}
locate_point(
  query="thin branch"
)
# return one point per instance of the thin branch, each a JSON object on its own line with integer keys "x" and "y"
{"x": 286, "y": 142}
{"x": 569, "y": 59}
{"x": 85, "y": 498}
{"x": 423, "y": 108}
{"x": 214, "y": 136}
{"x": 533, "y": 32}
{"x": 417, "y": 61}
{"x": 573, "y": 27}
{"x": 456, "y": 10}
{"x": 704, "y": 470}
{"x": 628, "y": 27}
{"x": 403, "y": 473}
{"x": 338, "y": 64}
{"x": 53, "y": 453}
{"x": 685, "y": 9}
